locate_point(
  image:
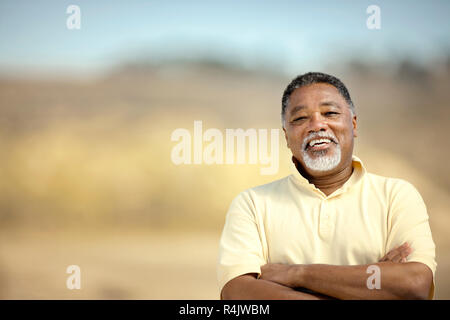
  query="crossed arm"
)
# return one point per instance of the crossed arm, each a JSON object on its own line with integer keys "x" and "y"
{"x": 399, "y": 280}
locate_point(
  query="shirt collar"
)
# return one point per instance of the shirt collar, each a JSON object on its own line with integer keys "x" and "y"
{"x": 358, "y": 172}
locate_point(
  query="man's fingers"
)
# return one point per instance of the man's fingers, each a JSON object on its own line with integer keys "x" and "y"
{"x": 404, "y": 253}
{"x": 398, "y": 258}
{"x": 392, "y": 254}
{"x": 398, "y": 254}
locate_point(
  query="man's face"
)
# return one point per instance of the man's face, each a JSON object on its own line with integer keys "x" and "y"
{"x": 319, "y": 129}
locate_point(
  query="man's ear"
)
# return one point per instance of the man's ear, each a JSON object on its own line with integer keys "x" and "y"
{"x": 354, "y": 123}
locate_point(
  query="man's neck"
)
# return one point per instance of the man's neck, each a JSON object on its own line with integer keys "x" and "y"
{"x": 328, "y": 183}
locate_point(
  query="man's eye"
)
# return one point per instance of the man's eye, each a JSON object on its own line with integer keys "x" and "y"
{"x": 331, "y": 113}
{"x": 299, "y": 118}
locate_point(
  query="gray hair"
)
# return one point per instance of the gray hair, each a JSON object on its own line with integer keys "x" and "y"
{"x": 311, "y": 78}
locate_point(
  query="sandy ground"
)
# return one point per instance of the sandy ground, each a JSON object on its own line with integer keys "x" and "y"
{"x": 121, "y": 265}
{"x": 113, "y": 266}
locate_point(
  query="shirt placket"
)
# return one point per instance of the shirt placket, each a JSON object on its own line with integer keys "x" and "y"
{"x": 325, "y": 220}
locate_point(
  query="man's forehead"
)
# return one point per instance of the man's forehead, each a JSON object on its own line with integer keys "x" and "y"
{"x": 322, "y": 93}
{"x": 315, "y": 89}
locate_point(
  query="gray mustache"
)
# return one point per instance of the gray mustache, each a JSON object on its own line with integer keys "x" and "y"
{"x": 318, "y": 135}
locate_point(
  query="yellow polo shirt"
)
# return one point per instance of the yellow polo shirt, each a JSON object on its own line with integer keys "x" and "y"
{"x": 291, "y": 221}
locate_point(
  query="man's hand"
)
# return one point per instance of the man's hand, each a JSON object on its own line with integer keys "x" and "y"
{"x": 278, "y": 273}
{"x": 398, "y": 254}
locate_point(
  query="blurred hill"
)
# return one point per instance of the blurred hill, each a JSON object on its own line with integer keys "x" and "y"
{"x": 95, "y": 154}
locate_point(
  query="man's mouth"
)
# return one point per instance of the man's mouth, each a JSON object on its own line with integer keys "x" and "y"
{"x": 319, "y": 144}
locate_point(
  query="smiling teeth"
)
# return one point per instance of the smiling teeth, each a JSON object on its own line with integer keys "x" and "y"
{"x": 314, "y": 142}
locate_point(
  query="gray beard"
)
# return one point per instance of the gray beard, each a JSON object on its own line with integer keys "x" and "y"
{"x": 322, "y": 161}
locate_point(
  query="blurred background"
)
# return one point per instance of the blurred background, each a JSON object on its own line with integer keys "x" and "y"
{"x": 86, "y": 117}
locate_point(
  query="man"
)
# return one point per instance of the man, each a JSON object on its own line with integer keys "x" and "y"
{"x": 331, "y": 229}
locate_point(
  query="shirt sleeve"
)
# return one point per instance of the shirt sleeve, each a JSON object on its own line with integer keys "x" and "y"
{"x": 408, "y": 222}
{"x": 240, "y": 248}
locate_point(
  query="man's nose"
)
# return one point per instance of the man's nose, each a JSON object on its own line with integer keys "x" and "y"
{"x": 317, "y": 123}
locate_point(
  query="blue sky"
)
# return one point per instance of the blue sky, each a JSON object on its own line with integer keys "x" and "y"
{"x": 284, "y": 34}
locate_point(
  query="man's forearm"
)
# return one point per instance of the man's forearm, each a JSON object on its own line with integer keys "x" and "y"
{"x": 248, "y": 287}
{"x": 398, "y": 281}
